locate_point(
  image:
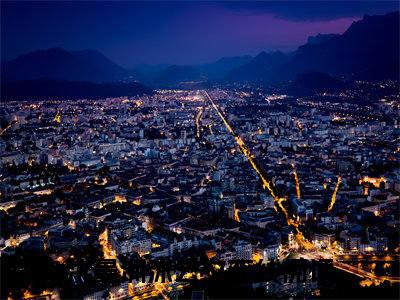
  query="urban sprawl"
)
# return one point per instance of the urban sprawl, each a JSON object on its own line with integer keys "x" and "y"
{"x": 147, "y": 197}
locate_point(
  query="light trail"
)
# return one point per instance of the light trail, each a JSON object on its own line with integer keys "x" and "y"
{"x": 198, "y": 117}
{"x": 333, "y": 200}
{"x": 301, "y": 240}
{"x": 2, "y": 131}
{"x": 296, "y": 178}
{"x": 210, "y": 127}
{"x": 5, "y": 129}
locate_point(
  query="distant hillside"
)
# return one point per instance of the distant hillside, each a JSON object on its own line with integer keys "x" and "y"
{"x": 61, "y": 89}
{"x": 220, "y": 68}
{"x": 176, "y": 75}
{"x": 60, "y": 64}
{"x": 258, "y": 69}
{"x": 320, "y": 38}
{"x": 368, "y": 49}
{"x": 368, "y": 45}
{"x": 310, "y": 83}
{"x": 147, "y": 73}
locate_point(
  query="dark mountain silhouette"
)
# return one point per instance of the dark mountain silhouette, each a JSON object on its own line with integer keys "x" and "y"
{"x": 176, "y": 75}
{"x": 320, "y": 38}
{"x": 147, "y": 73}
{"x": 172, "y": 75}
{"x": 60, "y": 64}
{"x": 368, "y": 45}
{"x": 62, "y": 89}
{"x": 368, "y": 49}
{"x": 260, "y": 68}
{"x": 314, "y": 82}
{"x": 220, "y": 68}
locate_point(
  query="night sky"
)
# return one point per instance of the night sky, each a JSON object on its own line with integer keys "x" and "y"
{"x": 131, "y": 33}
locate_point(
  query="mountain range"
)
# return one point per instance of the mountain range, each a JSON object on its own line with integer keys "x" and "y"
{"x": 367, "y": 46}
{"x": 259, "y": 69}
{"x": 368, "y": 49}
{"x": 60, "y": 64}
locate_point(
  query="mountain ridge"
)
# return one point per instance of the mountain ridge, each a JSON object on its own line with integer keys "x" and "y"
{"x": 61, "y": 64}
{"x": 368, "y": 49}
{"x": 357, "y": 54}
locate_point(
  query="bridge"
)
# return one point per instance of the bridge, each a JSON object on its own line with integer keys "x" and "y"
{"x": 364, "y": 274}
{"x": 367, "y": 258}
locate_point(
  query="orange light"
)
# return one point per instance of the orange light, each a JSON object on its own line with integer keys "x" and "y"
{"x": 333, "y": 200}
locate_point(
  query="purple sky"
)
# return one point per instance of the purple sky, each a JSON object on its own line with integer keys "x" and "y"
{"x": 174, "y": 32}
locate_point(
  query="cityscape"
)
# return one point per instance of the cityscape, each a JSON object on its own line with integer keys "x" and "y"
{"x": 274, "y": 176}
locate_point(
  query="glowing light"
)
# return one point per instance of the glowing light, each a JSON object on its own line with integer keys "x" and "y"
{"x": 333, "y": 200}
{"x": 366, "y": 189}
{"x": 108, "y": 253}
{"x": 27, "y": 295}
{"x": 149, "y": 226}
{"x": 236, "y": 213}
{"x": 210, "y": 127}
{"x": 198, "y": 122}
{"x": 211, "y": 253}
{"x": 366, "y": 283}
{"x": 296, "y": 178}
{"x": 217, "y": 267}
{"x": 387, "y": 265}
{"x": 120, "y": 199}
{"x": 5, "y": 129}
{"x": 257, "y": 257}
{"x": 57, "y": 118}
{"x": 376, "y": 182}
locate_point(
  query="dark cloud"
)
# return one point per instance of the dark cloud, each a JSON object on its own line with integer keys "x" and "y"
{"x": 314, "y": 10}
